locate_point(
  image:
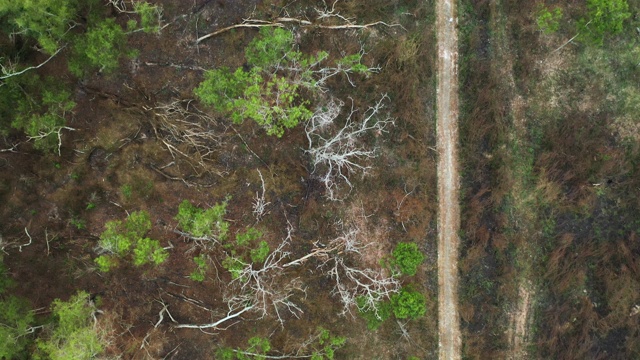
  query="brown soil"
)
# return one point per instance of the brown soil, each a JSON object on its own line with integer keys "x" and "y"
{"x": 448, "y": 180}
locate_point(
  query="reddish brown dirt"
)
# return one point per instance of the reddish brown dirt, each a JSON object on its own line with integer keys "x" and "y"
{"x": 448, "y": 180}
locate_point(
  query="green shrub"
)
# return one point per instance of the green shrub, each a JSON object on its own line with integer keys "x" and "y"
{"x": 47, "y": 21}
{"x": 269, "y": 92}
{"x": 15, "y": 319}
{"x": 234, "y": 266}
{"x": 120, "y": 238}
{"x": 328, "y": 344}
{"x": 250, "y": 235}
{"x": 374, "y": 317}
{"x": 407, "y": 257}
{"x": 260, "y": 253}
{"x": 106, "y": 262}
{"x": 149, "y": 16}
{"x": 408, "y": 304}
{"x": 548, "y": 20}
{"x": 100, "y": 48}
{"x": 72, "y": 334}
{"x": 149, "y": 251}
{"x": 201, "y": 268}
{"x": 38, "y": 107}
{"x": 201, "y": 223}
{"x": 322, "y": 346}
{"x": 604, "y": 17}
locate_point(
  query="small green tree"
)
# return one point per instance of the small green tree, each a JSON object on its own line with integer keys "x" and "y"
{"x": 408, "y": 304}
{"x": 72, "y": 334}
{"x": 604, "y": 17}
{"x": 100, "y": 48}
{"x": 248, "y": 236}
{"x": 322, "y": 345}
{"x": 201, "y": 268}
{"x": 150, "y": 16}
{"x": 38, "y": 107}
{"x": 47, "y": 21}
{"x": 407, "y": 257}
{"x": 548, "y": 20}
{"x": 269, "y": 92}
{"x": 16, "y": 319}
{"x": 374, "y": 316}
{"x": 201, "y": 224}
{"x": 149, "y": 251}
{"x": 122, "y": 237}
{"x": 260, "y": 253}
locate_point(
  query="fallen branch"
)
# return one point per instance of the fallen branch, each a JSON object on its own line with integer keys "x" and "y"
{"x": 280, "y": 22}
{"x": 230, "y": 315}
{"x": 7, "y": 75}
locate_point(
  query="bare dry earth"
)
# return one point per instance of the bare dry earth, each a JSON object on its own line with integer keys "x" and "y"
{"x": 448, "y": 180}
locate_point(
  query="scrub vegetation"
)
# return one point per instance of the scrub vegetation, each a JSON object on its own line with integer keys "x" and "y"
{"x": 269, "y": 190}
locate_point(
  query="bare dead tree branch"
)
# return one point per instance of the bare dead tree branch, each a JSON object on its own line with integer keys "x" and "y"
{"x": 339, "y": 154}
{"x": 323, "y": 14}
{"x": 232, "y": 314}
{"x": 7, "y": 73}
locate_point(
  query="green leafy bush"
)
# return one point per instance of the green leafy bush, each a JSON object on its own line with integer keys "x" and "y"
{"x": 100, "y": 47}
{"x": 106, "y": 262}
{"x": 548, "y": 20}
{"x": 72, "y": 334}
{"x": 201, "y": 223}
{"x": 47, "y": 21}
{"x": 15, "y": 319}
{"x": 149, "y": 16}
{"x": 149, "y": 251}
{"x": 321, "y": 346}
{"x": 328, "y": 344}
{"x": 408, "y": 304}
{"x": 374, "y": 317}
{"x": 234, "y": 266}
{"x": 250, "y": 235}
{"x": 201, "y": 268}
{"x": 604, "y": 17}
{"x": 407, "y": 257}
{"x": 120, "y": 238}
{"x": 269, "y": 92}
{"x": 36, "y": 106}
{"x": 260, "y": 253}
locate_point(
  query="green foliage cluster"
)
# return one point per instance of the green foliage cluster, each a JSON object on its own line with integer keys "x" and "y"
{"x": 323, "y": 346}
{"x": 604, "y": 17}
{"x": 406, "y": 304}
{"x": 36, "y": 106}
{"x": 121, "y": 237}
{"x": 15, "y": 321}
{"x": 72, "y": 334}
{"x": 149, "y": 16}
{"x": 100, "y": 48}
{"x": 328, "y": 344}
{"x": 243, "y": 249}
{"x": 548, "y": 20}
{"x": 47, "y": 21}
{"x": 203, "y": 224}
{"x": 407, "y": 257}
{"x": 201, "y": 268}
{"x": 269, "y": 92}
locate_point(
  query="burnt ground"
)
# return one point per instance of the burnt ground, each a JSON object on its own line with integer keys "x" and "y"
{"x": 118, "y": 162}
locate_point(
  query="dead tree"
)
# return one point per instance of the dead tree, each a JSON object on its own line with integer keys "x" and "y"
{"x": 336, "y": 155}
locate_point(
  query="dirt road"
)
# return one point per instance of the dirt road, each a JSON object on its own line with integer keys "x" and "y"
{"x": 448, "y": 180}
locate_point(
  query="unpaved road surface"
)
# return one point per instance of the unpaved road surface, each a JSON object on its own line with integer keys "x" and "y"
{"x": 448, "y": 180}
